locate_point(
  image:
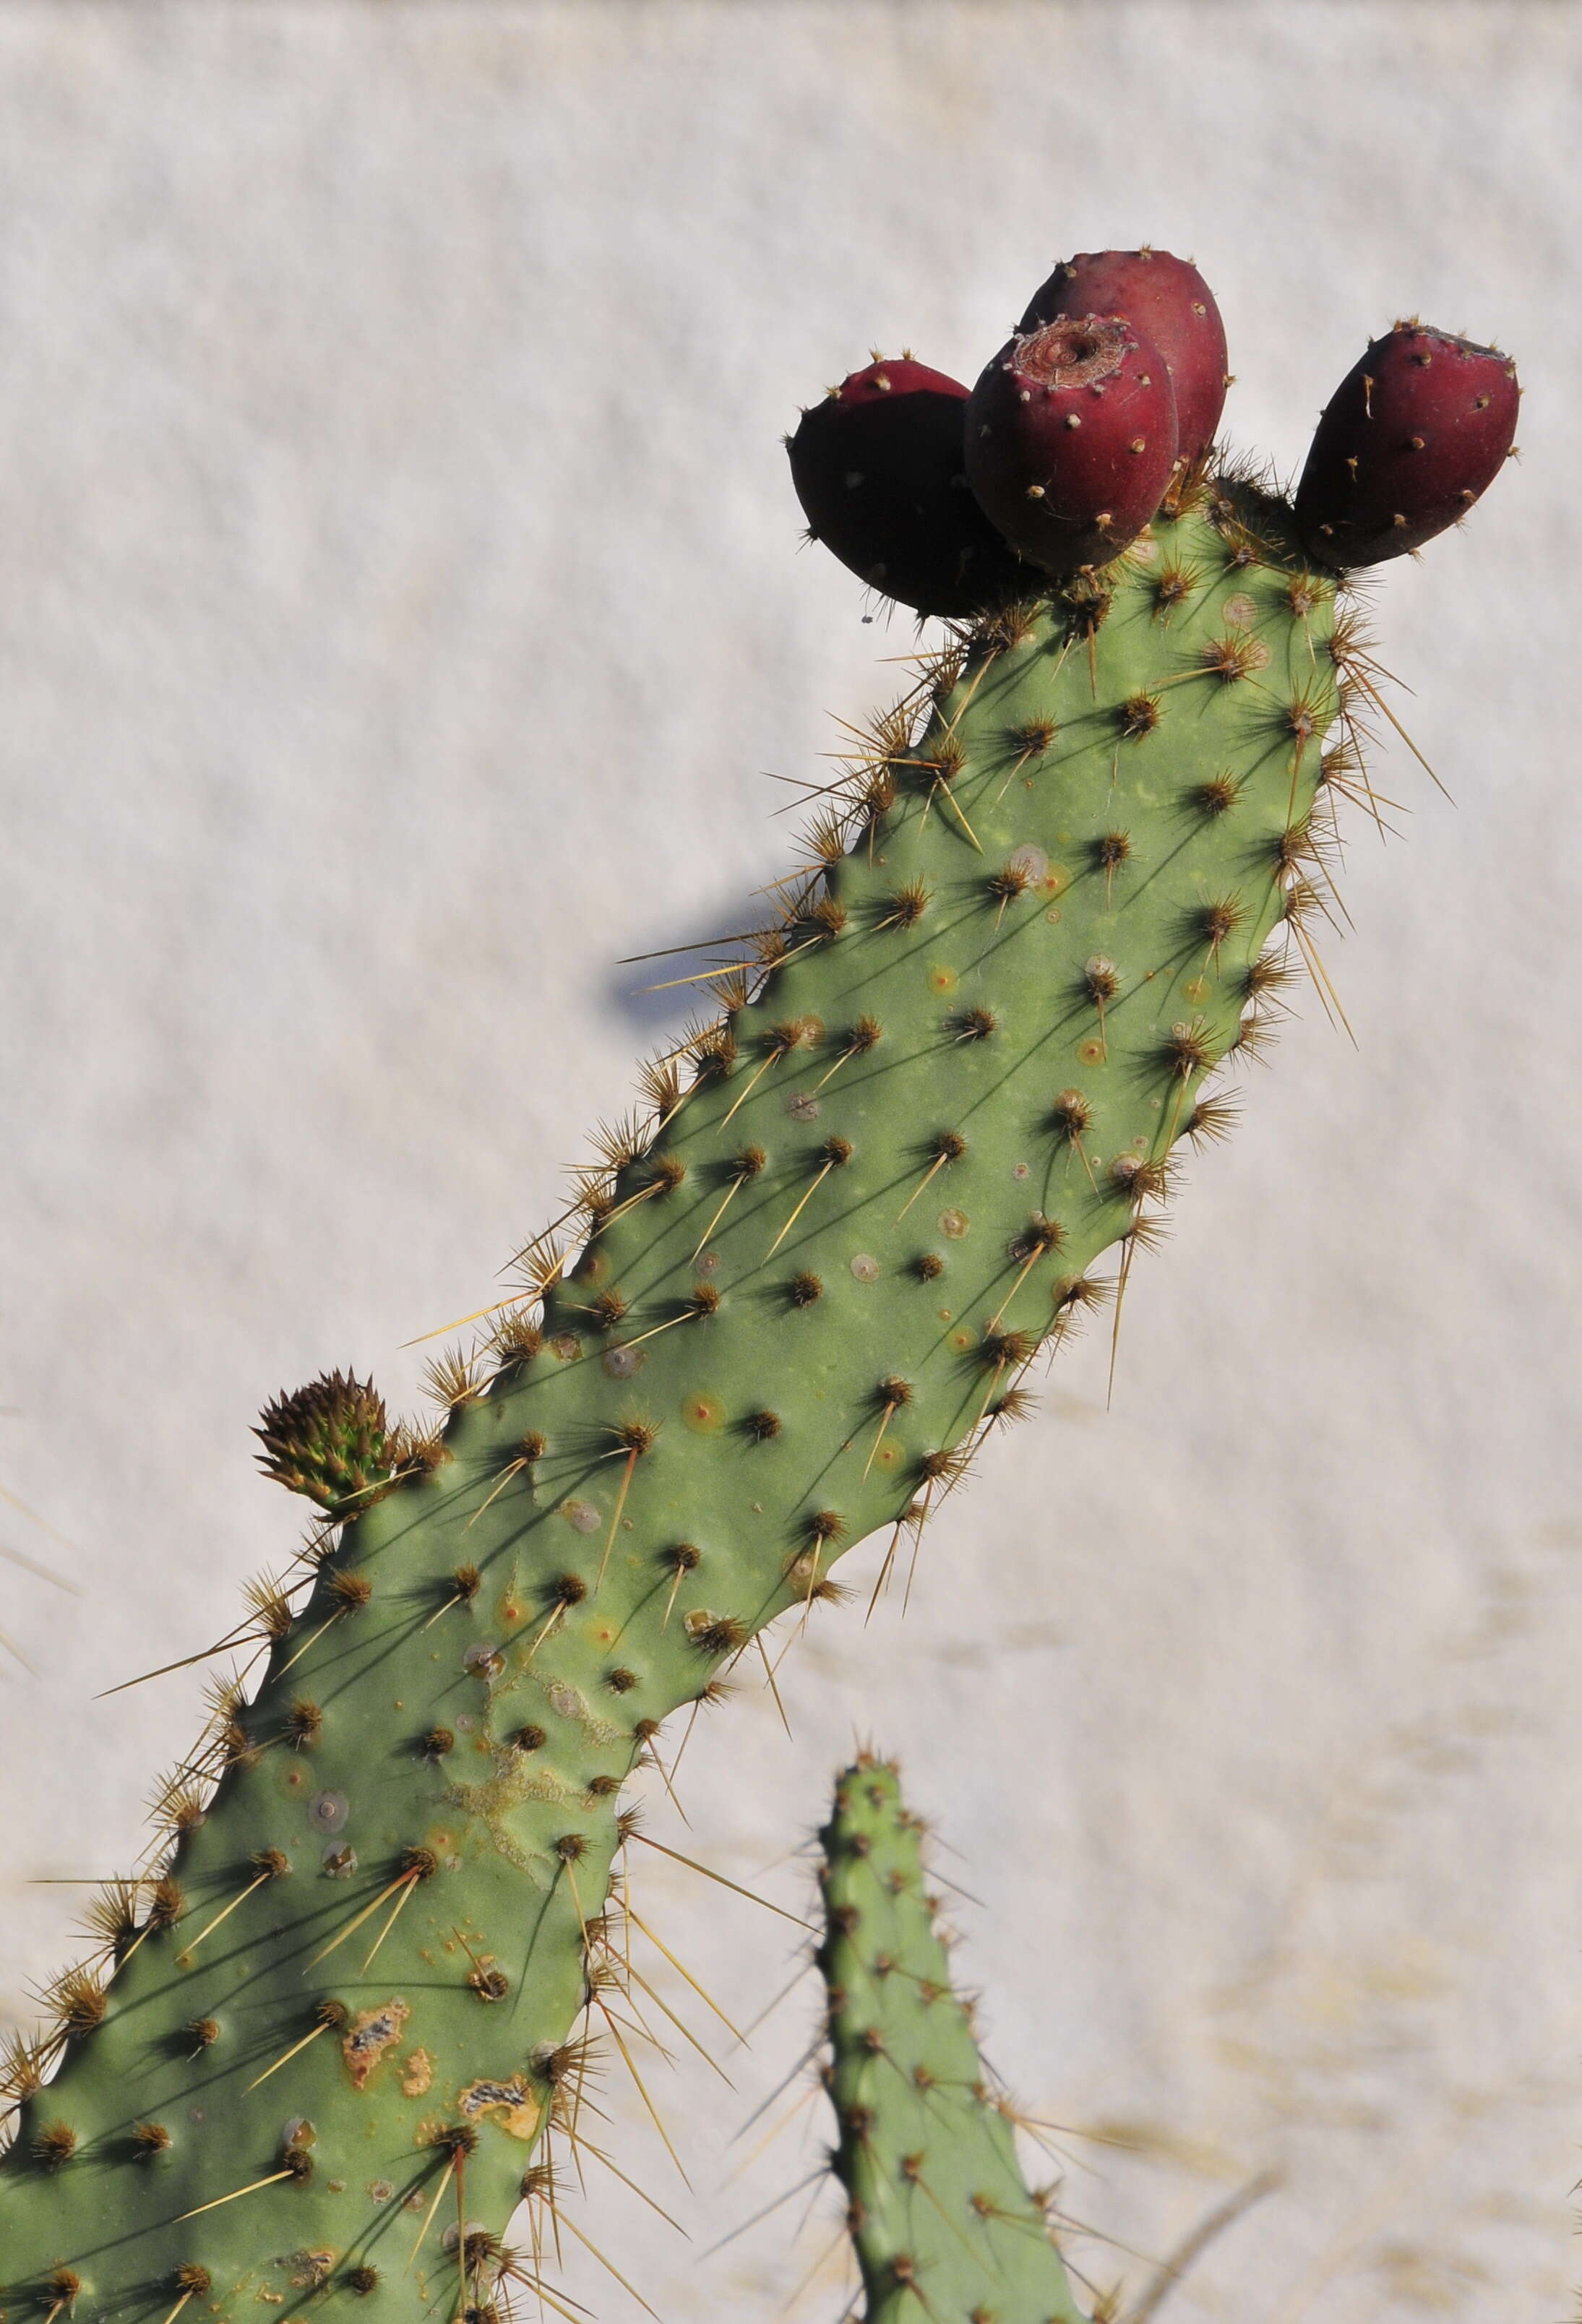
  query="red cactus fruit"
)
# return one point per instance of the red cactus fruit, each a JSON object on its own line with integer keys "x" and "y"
{"x": 1070, "y": 440}
{"x": 1167, "y": 299}
{"x": 1408, "y": 441}
{"x": 880, "y": 471}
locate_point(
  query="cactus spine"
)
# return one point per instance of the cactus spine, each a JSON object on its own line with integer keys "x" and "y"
{"x": 939, "y": 2213}
{"x": 339, "y": 2016}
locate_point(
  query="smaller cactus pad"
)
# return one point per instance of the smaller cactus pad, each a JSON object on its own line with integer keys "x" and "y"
{"x": 940, "y": 2216}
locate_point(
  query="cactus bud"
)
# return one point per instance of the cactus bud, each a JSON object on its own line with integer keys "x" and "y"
{"x": 1070, "y": 440}
{"x": 330, "y": 1440}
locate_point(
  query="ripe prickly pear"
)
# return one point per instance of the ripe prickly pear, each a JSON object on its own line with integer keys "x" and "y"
{"x": 1166, "y": 299}
{"x": 879, "y": 469}
{"x": 1408, "y": 441}
{"x": 1071, "y": 438}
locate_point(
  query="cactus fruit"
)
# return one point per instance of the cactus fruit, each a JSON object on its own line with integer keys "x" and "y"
{"x": 1414, "y": 434}
{"x": 879, "y": 469}
{"x": 939, "y": 2211}
{"x": 1167, "y": 299}
{"x": 340, "y": 2013}
{"x": 1070, "y": 440}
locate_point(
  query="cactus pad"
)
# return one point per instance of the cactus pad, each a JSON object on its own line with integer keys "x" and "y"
{"x": 328, "y": 2031}
{"x": 939, "y": 2212}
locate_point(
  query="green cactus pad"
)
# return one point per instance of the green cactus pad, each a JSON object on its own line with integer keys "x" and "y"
{"x": 939, "y": 2213}
{"x": 804, "y": 1292}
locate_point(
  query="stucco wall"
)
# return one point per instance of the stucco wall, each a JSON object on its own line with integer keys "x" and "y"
{"x": 399, "y": 601}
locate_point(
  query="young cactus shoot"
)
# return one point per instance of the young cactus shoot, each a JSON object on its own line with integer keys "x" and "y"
{"x": 937, "y": 2206}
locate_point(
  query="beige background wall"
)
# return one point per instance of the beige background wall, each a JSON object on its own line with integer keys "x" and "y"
{"x": 399, "y": 600}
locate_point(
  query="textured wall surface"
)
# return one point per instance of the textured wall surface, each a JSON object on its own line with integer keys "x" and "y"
{"x": 399, "y": 604}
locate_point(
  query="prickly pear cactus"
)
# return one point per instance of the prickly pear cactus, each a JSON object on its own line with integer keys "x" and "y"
{"x": 939, "y": 2213}
{"x": 331, "y": 2030}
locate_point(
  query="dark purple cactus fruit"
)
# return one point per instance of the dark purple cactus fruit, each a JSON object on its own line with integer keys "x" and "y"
{"x": 880, "y": 471}
{"x": 1167, "y": 299}
{"x": 1407, "y": 443}
{"x": 1071, "y": 438}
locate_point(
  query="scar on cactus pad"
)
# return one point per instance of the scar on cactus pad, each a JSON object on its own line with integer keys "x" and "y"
{"x": 346, "y": 2006}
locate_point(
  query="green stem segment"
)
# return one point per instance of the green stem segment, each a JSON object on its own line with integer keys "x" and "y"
{"x": 940, "y": 2217}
